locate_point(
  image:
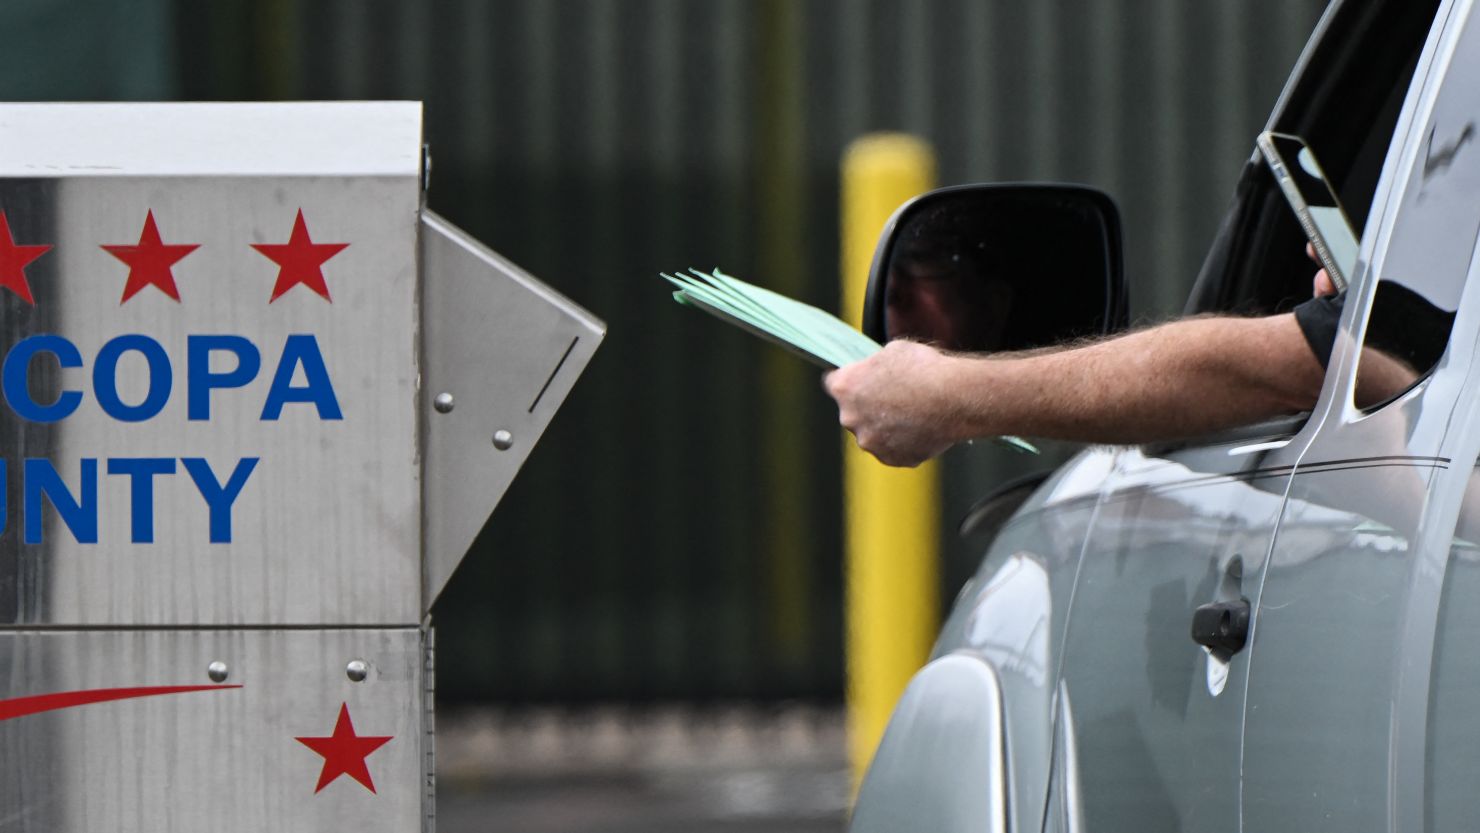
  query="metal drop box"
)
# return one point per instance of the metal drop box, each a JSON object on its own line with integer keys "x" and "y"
{"x": 258, "y": 401}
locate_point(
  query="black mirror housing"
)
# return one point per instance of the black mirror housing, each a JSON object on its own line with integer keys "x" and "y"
{"x": 987, "y": 268}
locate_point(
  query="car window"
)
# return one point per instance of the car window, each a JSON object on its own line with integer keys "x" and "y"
{"x": 1429, "y": 252}
{"x": 1345, "y": 105}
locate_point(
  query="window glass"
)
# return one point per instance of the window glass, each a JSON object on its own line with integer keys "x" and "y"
{"x": 1345, "y": 106}
{"x": 1428, "y": 256}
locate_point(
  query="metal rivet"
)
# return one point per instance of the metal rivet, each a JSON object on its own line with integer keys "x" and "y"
{"x": 357, "y": 670}
{"x": 218, "y": 672}
{"x": 443, "y": 403}
{"x": 502, "y": 440}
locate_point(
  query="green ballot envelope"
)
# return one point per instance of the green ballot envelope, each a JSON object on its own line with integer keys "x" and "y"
{"x": 815, "y": 335}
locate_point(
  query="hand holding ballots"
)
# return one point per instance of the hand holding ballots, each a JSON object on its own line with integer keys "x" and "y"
{"x": 809, "y": 332}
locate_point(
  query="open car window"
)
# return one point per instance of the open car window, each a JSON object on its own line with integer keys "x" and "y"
{"x": 1345, "y": 105}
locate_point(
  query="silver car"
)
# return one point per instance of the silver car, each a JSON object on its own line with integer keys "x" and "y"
{"x": 1274, "y": 628}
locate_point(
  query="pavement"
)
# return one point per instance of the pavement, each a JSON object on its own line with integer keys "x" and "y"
{"x": 619, "y": 769}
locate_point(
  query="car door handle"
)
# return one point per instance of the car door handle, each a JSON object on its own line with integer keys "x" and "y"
{"x": 1222, "y": 627}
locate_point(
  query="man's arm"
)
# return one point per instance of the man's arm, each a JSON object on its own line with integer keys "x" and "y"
{"x": 910, "y": 402}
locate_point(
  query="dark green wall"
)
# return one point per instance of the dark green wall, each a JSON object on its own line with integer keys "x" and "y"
{"x": 87, "y": 49}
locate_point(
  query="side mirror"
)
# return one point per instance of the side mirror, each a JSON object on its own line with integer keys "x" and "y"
{"x": 998, "y": 267}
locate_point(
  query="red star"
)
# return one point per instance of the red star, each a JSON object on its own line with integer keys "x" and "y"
{"x": 13, "y": 260}
{"x": 344, "y": 752}
{"x": 300, "y": 260}
{"x": 150, "y": 260}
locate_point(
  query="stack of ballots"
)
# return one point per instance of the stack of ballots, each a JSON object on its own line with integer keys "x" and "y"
{"x": 803, "y": 329}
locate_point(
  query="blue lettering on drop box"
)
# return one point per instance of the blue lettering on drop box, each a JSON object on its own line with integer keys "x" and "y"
{"x": 73, "y": 495}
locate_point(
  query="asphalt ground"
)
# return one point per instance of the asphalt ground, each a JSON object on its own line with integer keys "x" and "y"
{"x": 736, "y": 769}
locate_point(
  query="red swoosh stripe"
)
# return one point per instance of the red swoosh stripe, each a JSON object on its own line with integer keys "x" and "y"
{"x": 22, "y": 706}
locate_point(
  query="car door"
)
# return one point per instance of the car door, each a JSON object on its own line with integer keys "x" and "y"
{"x": 1150, "y": 725}
{"x": 1151, "y": 720}
{"x": 1337, "y": 727}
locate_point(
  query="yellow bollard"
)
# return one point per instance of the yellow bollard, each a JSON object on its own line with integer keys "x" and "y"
{"x": 891, "y": 516}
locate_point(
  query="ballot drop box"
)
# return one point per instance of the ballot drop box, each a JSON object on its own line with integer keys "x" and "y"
{"x": 258, "y": 402}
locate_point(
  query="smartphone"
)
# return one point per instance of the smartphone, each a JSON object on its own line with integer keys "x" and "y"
{"x": 1311, "y": 196}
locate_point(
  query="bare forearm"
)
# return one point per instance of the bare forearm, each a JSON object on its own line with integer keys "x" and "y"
{"x": 909, "y": 401}
{"x": 1180, "y": 379}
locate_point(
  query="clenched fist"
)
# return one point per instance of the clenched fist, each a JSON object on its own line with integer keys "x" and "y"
{"x": 897, "y": 402}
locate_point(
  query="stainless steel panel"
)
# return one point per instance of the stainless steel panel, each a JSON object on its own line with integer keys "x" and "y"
{"x": 222, "y": 759}
{"x": 321, "y": 139}
{"x": 501, "y": 351}
{"x": 326, "y": 527}
{"x": 210, "y": 398}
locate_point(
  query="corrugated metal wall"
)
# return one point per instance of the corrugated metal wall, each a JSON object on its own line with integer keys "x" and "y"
{"x": 54, "y": 50}
{"x": 676, "y": 535}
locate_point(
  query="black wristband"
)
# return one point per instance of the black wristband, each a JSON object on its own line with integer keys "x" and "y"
{"x": 1318, "y": 319}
